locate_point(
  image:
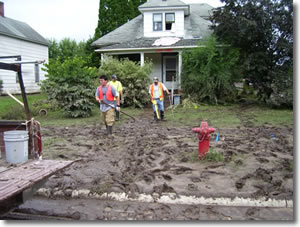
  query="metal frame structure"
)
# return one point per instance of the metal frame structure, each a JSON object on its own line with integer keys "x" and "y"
{"x": 17, "y": 67}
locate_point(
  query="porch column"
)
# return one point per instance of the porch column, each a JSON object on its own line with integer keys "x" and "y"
{"x": 142, "y": 58}
{"x": 179, "y": 68}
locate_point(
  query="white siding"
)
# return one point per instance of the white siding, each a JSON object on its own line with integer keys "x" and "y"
{"x": 29, "y": 52}
{"x": 179, "y": 24}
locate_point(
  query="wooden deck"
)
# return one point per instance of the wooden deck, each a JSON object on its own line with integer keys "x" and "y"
{"x": 19, "y": 182}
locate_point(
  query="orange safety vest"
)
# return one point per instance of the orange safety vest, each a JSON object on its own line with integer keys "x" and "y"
{"x": 109, "y": 95}
{"x": 160, "y": 91}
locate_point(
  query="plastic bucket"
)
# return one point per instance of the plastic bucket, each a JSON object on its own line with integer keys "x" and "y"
{"x": 16, "y": 146}
{"x": 176, "y": 99}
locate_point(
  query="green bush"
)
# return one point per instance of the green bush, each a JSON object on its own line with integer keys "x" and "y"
{"x": 134, "y": 78}
{"x": 282, "y": 86}
{"x": 210, "y": 71}
{"x": 71, "y": 84}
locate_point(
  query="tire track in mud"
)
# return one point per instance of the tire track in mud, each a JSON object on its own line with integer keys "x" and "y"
{"x": 154, "y": 158}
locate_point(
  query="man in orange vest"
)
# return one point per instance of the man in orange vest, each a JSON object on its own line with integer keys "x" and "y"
{"x": 106, "y": 93}
{"x": 156, "y": 92}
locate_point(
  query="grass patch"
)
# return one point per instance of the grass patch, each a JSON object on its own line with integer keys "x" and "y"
{"x": 216, "y": 116}
{"x": 7, "y": 104}
{"x": 228, "y": 116}
{"x": 274, "y": 117}
{"x": 211, "y": 156}
{"x": 214, "y": 156}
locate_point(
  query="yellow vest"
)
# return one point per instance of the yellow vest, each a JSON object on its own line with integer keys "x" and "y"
{"x": 160, "y": 91}
{"x": 117, "y": 85}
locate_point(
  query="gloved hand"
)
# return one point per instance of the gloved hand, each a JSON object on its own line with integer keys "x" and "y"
{"x": 118, "y": 108}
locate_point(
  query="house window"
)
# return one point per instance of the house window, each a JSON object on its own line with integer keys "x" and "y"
{"x": 171, "y": 69}
{"x": 37, "y": 73}
{"x": 157, "y": 22}
{"x": 170, "y": 19}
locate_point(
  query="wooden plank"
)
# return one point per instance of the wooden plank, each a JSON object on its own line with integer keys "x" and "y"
{"x": 15, "y": 180}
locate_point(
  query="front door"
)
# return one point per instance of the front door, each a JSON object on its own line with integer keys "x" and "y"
{"x": 170, "y": 71}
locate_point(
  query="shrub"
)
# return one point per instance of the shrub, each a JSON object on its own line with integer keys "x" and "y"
{"x": 210, "y": 71}
{"x": 134, "y": 78}
{"x": 71, "y": 84}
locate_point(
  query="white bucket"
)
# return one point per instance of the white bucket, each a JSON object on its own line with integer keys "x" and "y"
{"x": 16, "y": 146}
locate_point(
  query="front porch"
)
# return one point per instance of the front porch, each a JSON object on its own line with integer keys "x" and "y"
{"x": 167, "y": 65}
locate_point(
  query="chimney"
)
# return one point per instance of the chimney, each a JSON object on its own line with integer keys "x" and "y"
{"x": 2, "y": 9}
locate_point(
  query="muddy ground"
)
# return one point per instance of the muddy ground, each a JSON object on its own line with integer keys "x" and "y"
{"x": 156, "y": 158}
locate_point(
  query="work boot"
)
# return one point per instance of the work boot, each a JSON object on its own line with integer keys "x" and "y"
{"x": 109, "y": 130}
{"x": 106, "y": 128}
{"x": 155, "y": 117}
{"x": 117, "y": 115}
{"x": 162, "y": 115}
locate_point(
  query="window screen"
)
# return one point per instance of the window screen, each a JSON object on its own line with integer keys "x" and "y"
{"x": 171, "y": 69}
{"x": 157, "y": 22}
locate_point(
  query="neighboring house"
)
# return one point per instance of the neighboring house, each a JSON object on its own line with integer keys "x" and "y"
{"x": 163, "y": 30}
{"x": 18, "y": 38}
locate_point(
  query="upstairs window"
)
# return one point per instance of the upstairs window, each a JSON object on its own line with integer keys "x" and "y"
{"x": 157, "y": 22}
{"x": 170, "y": 19}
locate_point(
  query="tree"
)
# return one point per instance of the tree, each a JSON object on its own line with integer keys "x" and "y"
{"x": 263, "y": 31}
{"x": 53, "y": 49}
{"x": 210, "y": 71}
{"x": 66, "y": 49}
{"x": 114, "y": 13}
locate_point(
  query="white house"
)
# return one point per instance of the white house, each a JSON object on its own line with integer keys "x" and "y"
{"x": 19, "y": 39}
{"x": 160, "y": 33}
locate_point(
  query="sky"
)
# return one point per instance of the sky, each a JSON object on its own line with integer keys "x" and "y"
{"x": 59, "y": 19}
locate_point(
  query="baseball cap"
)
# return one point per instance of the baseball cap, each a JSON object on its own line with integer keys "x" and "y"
{"x": 155, "y": 78}
{"x": 114, "y": 76}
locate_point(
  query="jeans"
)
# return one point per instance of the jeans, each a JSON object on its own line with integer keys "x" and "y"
{"x": 160, "y": 105}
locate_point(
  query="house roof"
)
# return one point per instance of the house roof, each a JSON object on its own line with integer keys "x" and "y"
{"x": 20, "y": 30}
{"x": 147, "y": 43}
{"x": 132, "y": 33}
{"x": 162, "y": 3}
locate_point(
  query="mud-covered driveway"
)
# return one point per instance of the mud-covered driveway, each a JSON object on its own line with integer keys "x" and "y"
{"x": 152, "y": 159}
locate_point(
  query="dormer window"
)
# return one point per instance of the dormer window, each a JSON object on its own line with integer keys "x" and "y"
{"x": 170, "y": 19}
{"x": 157, "y": 22}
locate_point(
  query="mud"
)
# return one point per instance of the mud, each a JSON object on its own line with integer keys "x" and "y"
{"x": 156, "y": 158}
{"x": 88, "y": 209}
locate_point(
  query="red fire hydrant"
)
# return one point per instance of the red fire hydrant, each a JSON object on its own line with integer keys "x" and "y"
{"x": 204, "y": 137}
